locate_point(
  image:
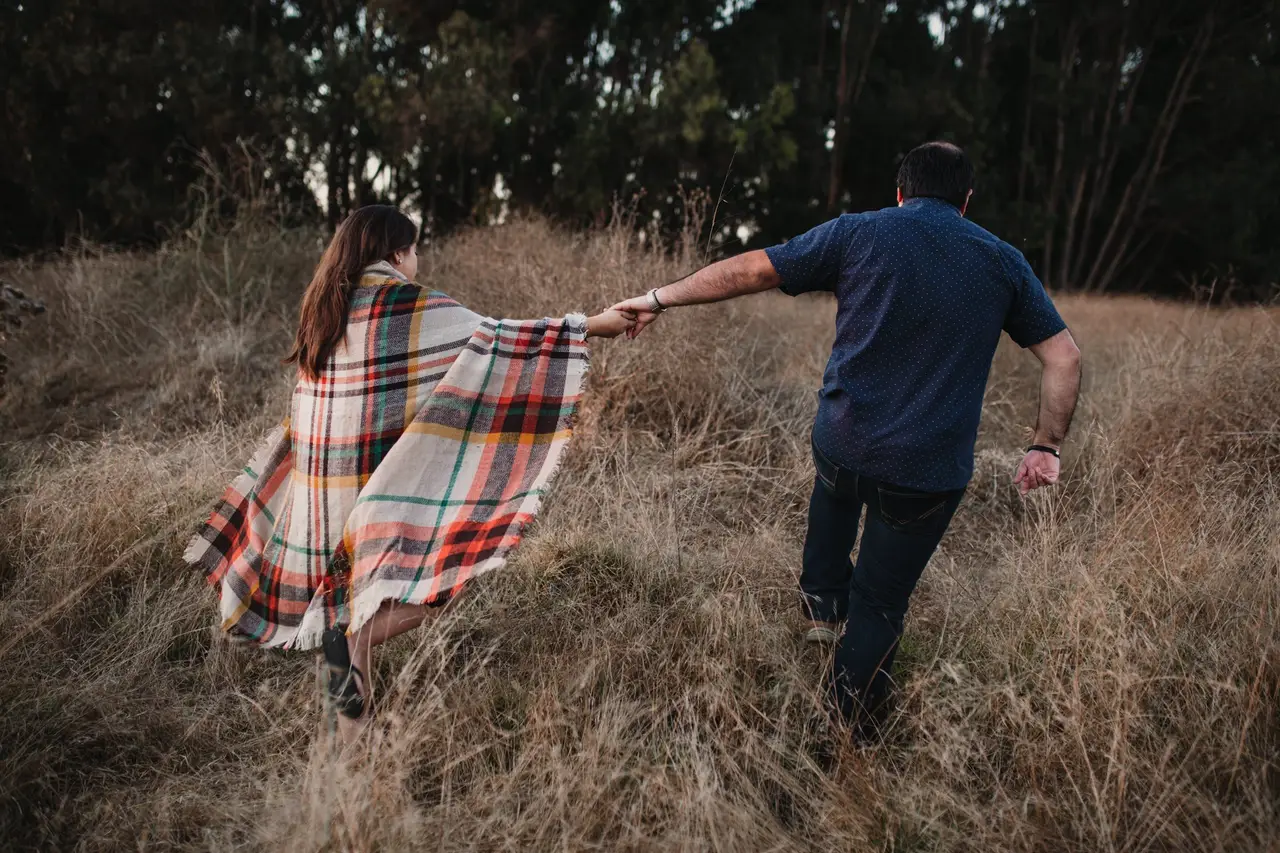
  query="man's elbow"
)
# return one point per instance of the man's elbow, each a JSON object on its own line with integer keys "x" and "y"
{"x": 760, "y": 271}
{"x": 1060, "y": 352}
{"x": 1070, "y": 355}
{"x": 1067, "y": 365}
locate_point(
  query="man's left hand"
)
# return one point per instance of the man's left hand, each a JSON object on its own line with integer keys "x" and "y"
{"x": 1037, "y": 469}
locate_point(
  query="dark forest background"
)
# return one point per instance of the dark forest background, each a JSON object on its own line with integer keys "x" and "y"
{"x": 1122, "y": 145}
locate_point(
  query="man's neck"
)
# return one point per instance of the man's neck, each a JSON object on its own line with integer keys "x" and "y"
{"x": 930, "y": 201}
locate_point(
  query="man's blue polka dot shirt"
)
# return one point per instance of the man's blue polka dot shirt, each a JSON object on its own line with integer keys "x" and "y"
{"x": 922, "y": 296}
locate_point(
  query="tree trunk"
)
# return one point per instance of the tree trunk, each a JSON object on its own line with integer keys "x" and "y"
{"x": 842, "y": 100}
{"x": 1024, "y": 157}
{"x": 848, "y": 93}
{"x": 1107, "y": 151}
{"x": 335, "y": 174}
{"x": 966, "y": 30}
{"x": 1111, "y": 254}
{"x": 1063, "y": 280}
{"x": 822, "y": 37}
{"x": 988, "y": 37}
{"x": 333, "y": 199}
{"x": 864, "y": 65}
{"x": 359, "y": 166}
{"x": 1065, "y": 64}
{"x": 430, "y": 185}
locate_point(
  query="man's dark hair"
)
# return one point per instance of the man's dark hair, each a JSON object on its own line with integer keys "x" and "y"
{"x": 936, "y": 170}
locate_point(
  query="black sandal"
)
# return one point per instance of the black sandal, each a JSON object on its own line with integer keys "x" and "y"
{"x": 343, "y": 692}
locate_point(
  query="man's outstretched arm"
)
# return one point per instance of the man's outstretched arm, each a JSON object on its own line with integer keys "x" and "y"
{"x": 1059, "y": 390}
{"x": 750, "y": 272}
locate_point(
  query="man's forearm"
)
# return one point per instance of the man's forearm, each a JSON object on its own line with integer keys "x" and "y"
{"x": 1059, "y": 390}
{"x": 750, "y": 272}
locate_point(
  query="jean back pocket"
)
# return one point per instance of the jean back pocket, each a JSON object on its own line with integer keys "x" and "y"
{"x": 828, "y": 471}
{"x": 908, "y": 511}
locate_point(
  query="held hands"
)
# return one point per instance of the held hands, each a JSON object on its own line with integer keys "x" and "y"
{"x": 639, "y": 306}
{"x": 630, "y": 316}
{"x": 611, "y": 323}
{"x": 1037, "y": 469}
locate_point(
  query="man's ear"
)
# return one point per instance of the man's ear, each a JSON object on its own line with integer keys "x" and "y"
{"x": 899, "y": 196}
{"x": 965, "y": 206}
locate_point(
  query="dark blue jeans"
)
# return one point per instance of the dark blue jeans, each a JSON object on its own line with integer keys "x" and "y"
{"x": 870, "y": 596}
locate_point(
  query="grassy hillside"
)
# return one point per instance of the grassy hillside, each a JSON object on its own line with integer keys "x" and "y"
{"x": 1092, "y": 669}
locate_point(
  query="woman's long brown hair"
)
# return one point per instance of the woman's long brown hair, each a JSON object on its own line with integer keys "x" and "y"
{"x": 370, "y": 234}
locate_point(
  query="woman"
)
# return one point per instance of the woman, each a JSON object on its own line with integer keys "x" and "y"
{"x": 420, "y": 440}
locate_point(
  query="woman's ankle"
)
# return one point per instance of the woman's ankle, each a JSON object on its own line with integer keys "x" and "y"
{"x": 361, "y": 661}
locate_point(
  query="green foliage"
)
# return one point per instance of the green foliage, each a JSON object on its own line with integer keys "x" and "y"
{"x": 690, "y": 109}
{"x": 1119, "y": 145}
{"x": 761, "y": 132}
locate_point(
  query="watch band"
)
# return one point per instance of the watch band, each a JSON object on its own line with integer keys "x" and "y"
{"x": 654, "y": 305}
{"x": 1044, "y": 448}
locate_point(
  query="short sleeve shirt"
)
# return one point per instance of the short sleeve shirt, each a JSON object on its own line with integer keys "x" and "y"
{"x": 922, "y": 296}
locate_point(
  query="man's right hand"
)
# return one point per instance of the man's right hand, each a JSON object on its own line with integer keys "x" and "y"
{"x": 610, "y": 323}
{"x": 1037, "y": 469}
{"x": 1059, "y": 388}
{"x": 639, "y": 306}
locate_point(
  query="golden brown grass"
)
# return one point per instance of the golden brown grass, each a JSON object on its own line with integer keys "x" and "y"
{"x": 1094, "y": 669}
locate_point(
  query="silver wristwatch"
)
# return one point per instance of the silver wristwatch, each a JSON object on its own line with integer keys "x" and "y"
{"x": 654, "y": 305}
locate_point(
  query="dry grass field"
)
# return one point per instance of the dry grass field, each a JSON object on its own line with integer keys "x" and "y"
{"x": 1096, "y": 668}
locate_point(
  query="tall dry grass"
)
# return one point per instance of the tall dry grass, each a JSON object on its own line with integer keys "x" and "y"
{"x": 1094, "y": 669}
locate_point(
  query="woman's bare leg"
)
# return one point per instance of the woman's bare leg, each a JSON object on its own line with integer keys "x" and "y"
{"x": 391, "y": 620}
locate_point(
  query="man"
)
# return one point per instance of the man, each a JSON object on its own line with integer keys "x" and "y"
{"x": 922, "y": 296}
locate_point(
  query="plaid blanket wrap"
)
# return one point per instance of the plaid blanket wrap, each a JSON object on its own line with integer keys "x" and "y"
{"x": 409, "y": 466}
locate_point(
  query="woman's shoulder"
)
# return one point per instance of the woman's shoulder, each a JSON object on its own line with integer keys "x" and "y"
{"x": 398, "y": 296}
{"x": 388, "y": 290}
{"x": 401, "y": 291}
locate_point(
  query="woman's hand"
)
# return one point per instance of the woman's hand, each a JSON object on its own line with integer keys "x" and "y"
{"x": 610, "y": 324}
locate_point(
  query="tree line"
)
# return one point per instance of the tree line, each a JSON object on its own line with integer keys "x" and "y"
{"x": 1121, "y": 144}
